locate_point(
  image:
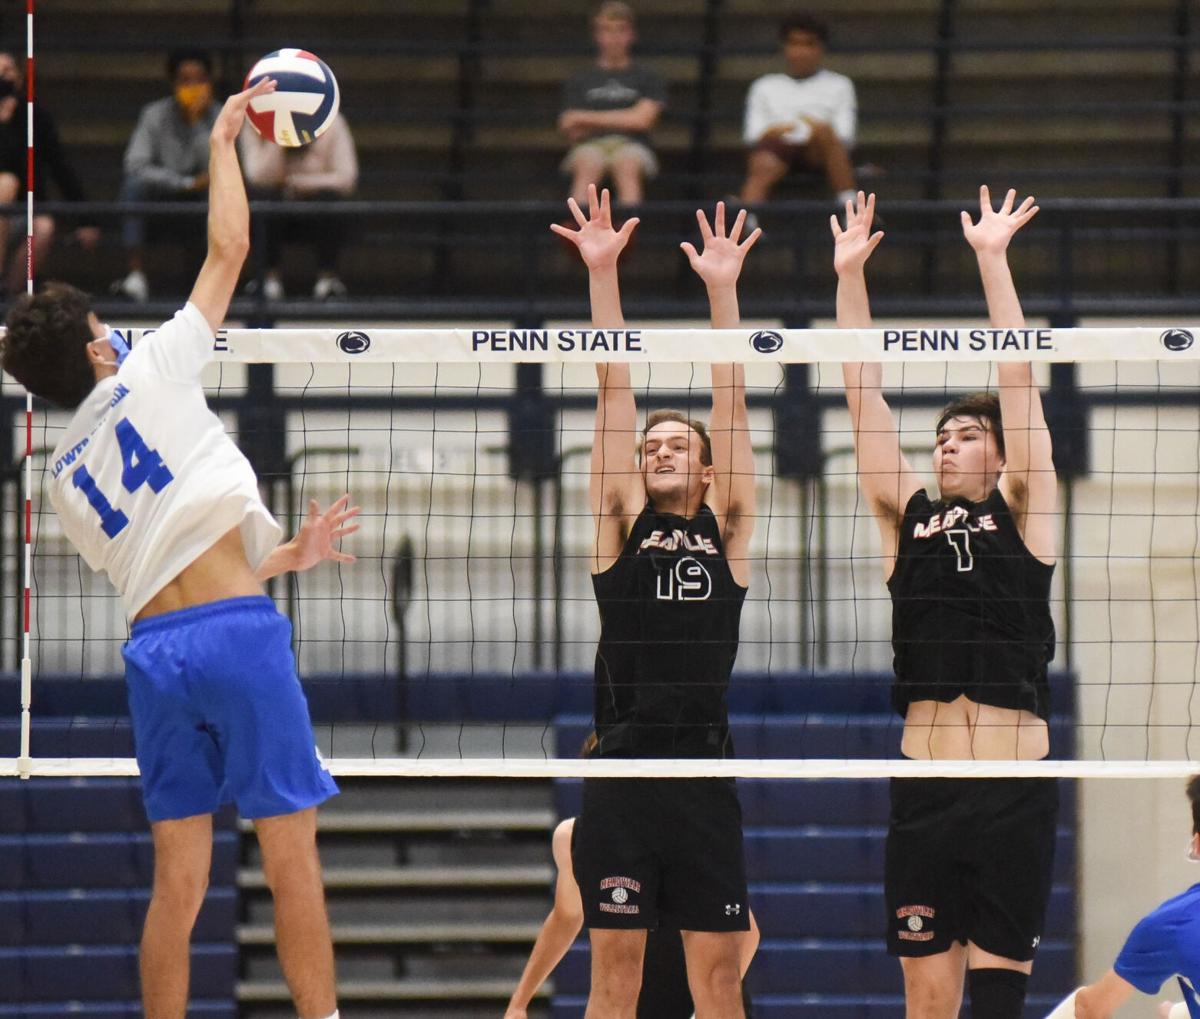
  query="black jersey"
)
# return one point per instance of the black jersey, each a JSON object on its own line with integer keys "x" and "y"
{"x": 970, "y": 608}
{"x": 669, "y": 617}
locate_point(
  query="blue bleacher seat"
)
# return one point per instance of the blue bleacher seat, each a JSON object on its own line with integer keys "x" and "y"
{"x": 85, "y": 804}
{"x": 80, "y": 917}
{"x": 103, "y": 972}
{"x": 198, "y": 1008}
{"x": 71, "y": 737}
{"x": 86, "y": 860}
{"x": 816, "y": 965}
{"x": 819, "y": 1006}
{"x": 856, "y": 909}
{"x": 844, "y": 853}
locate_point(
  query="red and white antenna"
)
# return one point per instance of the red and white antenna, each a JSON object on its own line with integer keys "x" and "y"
{"x": 23, "y": 761}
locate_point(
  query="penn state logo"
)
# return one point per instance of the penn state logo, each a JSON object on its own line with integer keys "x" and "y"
{"x": 353, "y": 342}
{"x": 766, "y": 341}
{"x": 1177, "y": 339}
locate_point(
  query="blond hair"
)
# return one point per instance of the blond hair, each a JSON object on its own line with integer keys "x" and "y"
{"x": 615, "y": 10}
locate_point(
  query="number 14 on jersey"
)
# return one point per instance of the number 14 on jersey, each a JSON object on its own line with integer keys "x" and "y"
{"x": 140, "y": 466}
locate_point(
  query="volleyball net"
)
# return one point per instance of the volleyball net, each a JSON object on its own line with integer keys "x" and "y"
{"x": 462, "y": 641}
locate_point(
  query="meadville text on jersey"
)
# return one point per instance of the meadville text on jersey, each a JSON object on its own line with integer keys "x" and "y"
{"x": 145, "y": 478}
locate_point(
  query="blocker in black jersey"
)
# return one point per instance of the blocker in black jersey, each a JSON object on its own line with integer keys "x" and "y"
{"x": 970, "y": 608}
{"x": 664, "y": 851}
{"x": 669, "y": 617}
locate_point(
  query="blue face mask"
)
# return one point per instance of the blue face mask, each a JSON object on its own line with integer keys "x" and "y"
{"x": 119, "y": 346}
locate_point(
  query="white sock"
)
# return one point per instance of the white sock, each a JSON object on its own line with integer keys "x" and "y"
{"x": 334, "y": 1016}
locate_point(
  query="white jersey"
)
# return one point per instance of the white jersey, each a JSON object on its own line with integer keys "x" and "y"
{"x": 146, "y": 479}
{"x": 781, "y": 99}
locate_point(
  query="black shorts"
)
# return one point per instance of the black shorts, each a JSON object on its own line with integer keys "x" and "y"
{"x": 969, "y": 860}
{"x": 651, "y": 852}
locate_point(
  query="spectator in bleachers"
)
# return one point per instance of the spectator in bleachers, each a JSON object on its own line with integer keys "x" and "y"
{"x": 609, "y": 110}
{"x": 804, "y": 119}
{"x": 52, "y": 163}
{"x": 324, "y": 170}
{"x": 167, "y": 157}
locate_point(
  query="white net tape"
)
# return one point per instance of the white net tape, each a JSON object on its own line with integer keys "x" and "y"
{"x": 929, "y": 347}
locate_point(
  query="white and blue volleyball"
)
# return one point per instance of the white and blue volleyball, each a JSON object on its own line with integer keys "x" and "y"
{"x": 304, "y": 102}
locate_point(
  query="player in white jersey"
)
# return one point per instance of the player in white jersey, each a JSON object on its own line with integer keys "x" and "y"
{"x": 151, "y": 490}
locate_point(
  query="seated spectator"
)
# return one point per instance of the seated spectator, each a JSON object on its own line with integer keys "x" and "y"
{"x": 52, "y": 163}
{"x": 608, "y": 112}
{"x": 804, "y": 119}
{"x": 167, "y": 157}
{"x": 324, "y": 170}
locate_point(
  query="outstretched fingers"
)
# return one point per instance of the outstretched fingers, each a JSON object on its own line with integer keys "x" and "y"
{"x": 750, "y": 241}
{"x": 627, "y": 228}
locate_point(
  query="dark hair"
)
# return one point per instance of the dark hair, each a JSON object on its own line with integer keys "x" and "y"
{"x": 802, "y": 21}
{"x": 659, "y": 416}
{"x": 183, "y": 55}
{"x": 1193, "y": 791}
{"x": 45, "y": 345}
{"x": 985, "y": 406}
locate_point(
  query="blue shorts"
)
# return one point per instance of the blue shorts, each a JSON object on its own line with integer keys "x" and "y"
{"x": 219, "y": 715}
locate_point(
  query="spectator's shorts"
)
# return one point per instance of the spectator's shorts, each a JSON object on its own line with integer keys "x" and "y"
{"x": 219, "y": 715}
{"x": 796, "y": 156}
{"x": 610, "y": 147}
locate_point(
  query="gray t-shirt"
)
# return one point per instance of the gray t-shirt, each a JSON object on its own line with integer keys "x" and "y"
{"x": 600, "y": 90}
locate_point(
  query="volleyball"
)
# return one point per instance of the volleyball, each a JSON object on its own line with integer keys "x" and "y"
{"x": 303, "y": 105}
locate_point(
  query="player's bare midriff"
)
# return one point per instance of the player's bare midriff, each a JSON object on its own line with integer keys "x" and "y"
{"x": 963, "y": 730}
{"x": 220, "y": 572}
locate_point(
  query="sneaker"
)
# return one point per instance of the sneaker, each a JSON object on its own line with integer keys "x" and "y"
{"x": 271, "y": 288}
{"x": 328, "y": 287}
{"x": 134, "y": 287}
{"x": 733, "y": 205}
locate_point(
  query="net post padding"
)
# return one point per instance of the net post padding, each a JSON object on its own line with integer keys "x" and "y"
{"x": 487, "y": 767}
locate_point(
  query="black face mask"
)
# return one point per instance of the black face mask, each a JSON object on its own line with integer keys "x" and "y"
{"x": 7, "y": 88}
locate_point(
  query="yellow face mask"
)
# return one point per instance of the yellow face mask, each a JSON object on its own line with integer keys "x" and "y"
{"x": 194, "y": 99}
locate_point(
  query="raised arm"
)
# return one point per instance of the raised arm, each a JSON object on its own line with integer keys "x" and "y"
{"x": 228, "y": 212}
{"x": 884, "y": 474}
{"x": 731, "y": 496}
{"x": 1028, "y": 484}
{"x": 617, "y": 489}
{"x": 558, "y": 931}
{"x": 315, "y": 542}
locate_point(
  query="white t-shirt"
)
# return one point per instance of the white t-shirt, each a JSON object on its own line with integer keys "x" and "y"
{"x": 146, "y": 478}
{"x": 781, "y": 99}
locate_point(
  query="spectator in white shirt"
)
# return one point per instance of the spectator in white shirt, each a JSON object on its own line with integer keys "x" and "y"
{"x": 804, "y": 119}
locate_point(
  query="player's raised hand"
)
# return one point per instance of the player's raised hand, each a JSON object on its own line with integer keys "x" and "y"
{"x": 996, "y": 227}
{"x": 229, "y": 121}
{"x": 599, "y": 244}
{"x": 853, "y": 244}
{"x": 720, "y": 263}
{"x": 317, "y": 538}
